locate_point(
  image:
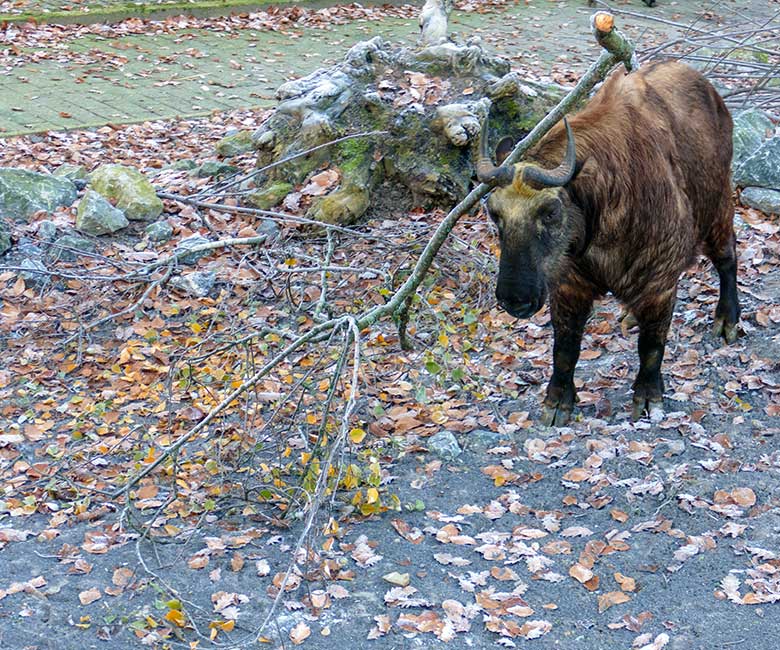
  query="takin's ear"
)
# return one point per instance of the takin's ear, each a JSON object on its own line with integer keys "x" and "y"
{"x": 503, "y": 149}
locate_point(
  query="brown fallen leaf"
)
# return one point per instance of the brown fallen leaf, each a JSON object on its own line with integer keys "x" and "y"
{"x": 618, "y": 515}
{"x": 580, "y": 573}
{"x": 626, "y": 583}
{"x": 90, "y": 596}
{"x": 300, "y": 633}
{"x": 577, "y": 475}
{"x": 612, "y": 598}
{"x": 744, "y": 497}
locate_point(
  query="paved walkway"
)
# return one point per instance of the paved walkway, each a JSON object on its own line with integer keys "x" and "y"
{"x": 92, "y": 76}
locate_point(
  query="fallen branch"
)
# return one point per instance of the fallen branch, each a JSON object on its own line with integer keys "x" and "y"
{"x": 175, "y": 257}
{"x": 618, "y": 49}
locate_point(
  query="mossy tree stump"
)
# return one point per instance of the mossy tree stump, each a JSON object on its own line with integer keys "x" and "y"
{"x": 430, "y": 102}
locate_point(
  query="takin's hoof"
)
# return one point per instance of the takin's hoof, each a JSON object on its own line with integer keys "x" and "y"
{"x": 652, "y": 407}
{"x": 729, "y": 331}
{"x": 555, "y": 416}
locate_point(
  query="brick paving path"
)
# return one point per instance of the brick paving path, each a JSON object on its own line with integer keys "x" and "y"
{"x": 97, "y": 80}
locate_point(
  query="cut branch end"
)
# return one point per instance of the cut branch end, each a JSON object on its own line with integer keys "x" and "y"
{"x": 604, "y": 22}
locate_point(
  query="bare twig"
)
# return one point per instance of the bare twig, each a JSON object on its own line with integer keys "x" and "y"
{"x": 242, "y": 179}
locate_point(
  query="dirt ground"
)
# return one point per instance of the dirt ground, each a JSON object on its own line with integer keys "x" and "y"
{"x": 607, "y": 534}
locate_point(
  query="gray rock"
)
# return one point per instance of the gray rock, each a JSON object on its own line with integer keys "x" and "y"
{"x": 762, "y": 169}
{"x": 190, "y": 242}
{"x": 35, "y": 273}
{"x": 768, "y": 201}
{"x": 159, "y": 231}
{"x": 235, "y": 144}
{"x": 444, "y": 444}
{"x": 96, "y": 216}
{"x": 485, "y": 437}
{"x": 66, "y": 248}
{"x": 5, "y": 237}
{"x": 128, "y": 190}
{"x": 71, "y": 172}
{"x": 47, "y": 230}
{"x": 184, "y": 165}
{"x": 28, "y": 248}
{"x": 269, "y": 228}
{"x": 751, "y": 128}
{"x": 671, "y": 447}
{"x": 196, "y": 284}
{"x": 214, "y": 168}
{"x": 23, "y": 192}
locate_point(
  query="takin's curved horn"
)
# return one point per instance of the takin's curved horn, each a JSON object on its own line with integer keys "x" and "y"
{"x": 539, "y": 178}
{"x": 487, "y": 172}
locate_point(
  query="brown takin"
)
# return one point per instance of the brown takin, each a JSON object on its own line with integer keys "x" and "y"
{"x": 644, "y": 186}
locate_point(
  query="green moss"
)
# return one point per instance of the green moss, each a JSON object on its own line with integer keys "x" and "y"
{"x": 342, "y": 207}
{"x": 270, "y": 196}
{"x": 353, "y": 155}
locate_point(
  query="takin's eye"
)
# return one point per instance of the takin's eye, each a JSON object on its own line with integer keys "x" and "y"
{"x": 550, "y": 214}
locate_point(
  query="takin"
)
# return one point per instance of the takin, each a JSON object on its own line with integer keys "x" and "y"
{"x": 644, "y": 186}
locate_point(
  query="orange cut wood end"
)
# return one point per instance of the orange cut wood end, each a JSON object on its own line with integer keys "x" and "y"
{"x": 604, "y": 21}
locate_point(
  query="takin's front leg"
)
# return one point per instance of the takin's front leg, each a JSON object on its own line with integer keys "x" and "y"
{"x": 569, "y": 310}
{"x": 654, "y": 317}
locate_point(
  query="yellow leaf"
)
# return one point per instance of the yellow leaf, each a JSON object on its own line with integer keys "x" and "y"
{"x": 357, "y": 435}
{"x": 372, "y": 495}
{"x": 176, "y": 617}
{"x": 444, "y": 340}
{"x": 311, "y": 418}
{"x": 225, "y": 626}
{"x": 196, "y": 328}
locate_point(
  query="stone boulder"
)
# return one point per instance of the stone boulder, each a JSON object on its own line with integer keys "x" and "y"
{"x": 71, "y": 172}
{"x": 128, "y": 190}
{"x": 159, "y": 231}
{"x": 444, "y": 444}
{"x": 5, "y": 237}
{"x": 767, "y": 201}
{"x": 762, "y": 168}
{"x": 214, "y": 169}
{"x": 96, "y": 216}
{"x": 197, "y": 284}
{"x": 235, "y": 144}
{"x": 68, "y": 247}
{"x": 751, "y": 129}
{"x": 23, "y": 192}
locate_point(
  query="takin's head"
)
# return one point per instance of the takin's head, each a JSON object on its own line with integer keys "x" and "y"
{"x": 536, "y": 220}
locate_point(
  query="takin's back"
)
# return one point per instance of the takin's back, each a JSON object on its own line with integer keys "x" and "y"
{"x": 643, "y": 134}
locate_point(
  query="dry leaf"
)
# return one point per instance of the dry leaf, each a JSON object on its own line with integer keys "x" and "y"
{"x": 612, "y": 598}
{"x": 90, "y": 596}
{"x": 300, "y": 633}
{"x": 626, "y": 583}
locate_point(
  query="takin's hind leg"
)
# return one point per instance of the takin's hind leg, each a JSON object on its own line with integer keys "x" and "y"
{"x": 654, "y": 316}
{"x": 721, "y": 248}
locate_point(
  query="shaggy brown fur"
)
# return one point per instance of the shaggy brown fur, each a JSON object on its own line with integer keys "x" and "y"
{"x": 654, "y": 150}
